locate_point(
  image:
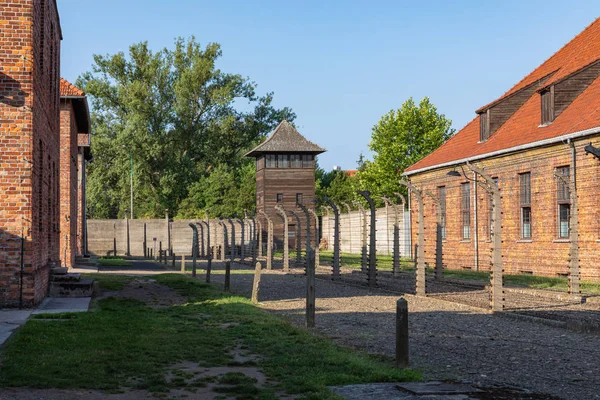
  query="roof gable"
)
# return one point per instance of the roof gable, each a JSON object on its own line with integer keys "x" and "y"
{"x": 285, "y": 139}
{"x": 67, "y": 89}
{"x": 523, "y": 127}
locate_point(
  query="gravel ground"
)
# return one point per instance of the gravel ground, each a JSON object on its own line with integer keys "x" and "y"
{"x": 448, "y": 340}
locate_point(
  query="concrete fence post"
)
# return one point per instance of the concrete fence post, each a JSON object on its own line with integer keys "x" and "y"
{"x": 336, "y": 239}
{"x": 298, "y": 237}
{"x": 316, "y": 247}
{"x": 363, "y": 236}
{"x": 402, "y": 334}
{"x": 573, "y": 280}
{"x": 227, "y": 276}
{"x": 242, "y": 241}
{"x": 307, "y": 235}
{"x": 194, "y": 247}
{"x": 183, "y": 263}
{"x": 420, "y": 283}
{"x": 145, "y": 243}
{"x": 310, "y": 288}
{"x": 372, "y": 273}
{"x": 256, "y": 283}
{"x": 438, "y": 235}
{"x": 232, "y": 246}
{"x": 286, "y": 251}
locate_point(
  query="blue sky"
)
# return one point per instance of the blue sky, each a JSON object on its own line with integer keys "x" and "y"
{"x": 341, "y": 65}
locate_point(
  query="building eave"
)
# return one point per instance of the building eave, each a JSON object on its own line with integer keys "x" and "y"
{"x": 515, "y": 149}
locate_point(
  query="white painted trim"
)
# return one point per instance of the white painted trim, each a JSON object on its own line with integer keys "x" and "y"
{"x": 527, "y": 146}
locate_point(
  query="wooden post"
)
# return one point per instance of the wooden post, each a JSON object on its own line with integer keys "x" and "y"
{"x": 160, "y": 251}
{"x": 310, "y": 288}
{"x": 145, "y": 243}
{"x": 183, "y": 263}
{"x": 256, "y": 283}
{"x": 208, "y": 269}
{"x": 227, "y": 275}
{"x": 402, "y": 334}
{"x": 173, "y": 262}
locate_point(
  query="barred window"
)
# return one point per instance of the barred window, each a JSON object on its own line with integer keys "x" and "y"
{"x": 525, "y": 197}
{"x": 563, "y": 200}
{"x": 466, "y": 210}
{"x": 442, "y": 197}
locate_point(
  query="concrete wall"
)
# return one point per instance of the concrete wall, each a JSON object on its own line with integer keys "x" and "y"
{"x": 351, "y": 225}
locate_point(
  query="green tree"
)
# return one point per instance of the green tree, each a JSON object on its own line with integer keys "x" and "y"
{"x": 174, "y": 111}
{"x": 400, "y": 139}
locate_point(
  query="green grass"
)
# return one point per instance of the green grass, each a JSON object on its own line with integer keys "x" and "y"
{"x": 124, "y": 342}
{"x": 113, "y": 262}
{"x": 110, "y": 282}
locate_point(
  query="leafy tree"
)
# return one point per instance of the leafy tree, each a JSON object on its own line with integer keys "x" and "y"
{"x": 400, "y": 139}
{"x": 174, "y": 112}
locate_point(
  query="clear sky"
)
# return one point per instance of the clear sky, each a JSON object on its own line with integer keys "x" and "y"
{"x": 341, "y": 65}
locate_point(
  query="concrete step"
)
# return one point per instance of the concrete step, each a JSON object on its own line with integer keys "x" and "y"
{"x": 71, "y": 277}
{"x": 59, "y": 270}
{"x": 81, "y": 288}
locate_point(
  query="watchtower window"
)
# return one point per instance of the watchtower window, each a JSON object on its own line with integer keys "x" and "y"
{"x": 271, "y": 161}
{"x": 295, "y": 161}
{"x": 283, "y": 161}
{"x": 307, "y": 161}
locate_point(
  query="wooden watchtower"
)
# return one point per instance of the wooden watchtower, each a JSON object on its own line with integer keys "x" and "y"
{"x": 285, "y": 174}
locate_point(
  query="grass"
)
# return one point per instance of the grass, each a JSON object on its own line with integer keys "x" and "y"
{"x": 113, "y": 262}
{"x": 125, "y": 343}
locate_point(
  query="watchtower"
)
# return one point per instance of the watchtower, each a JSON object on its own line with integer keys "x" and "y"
{"x": 285, "y": 174}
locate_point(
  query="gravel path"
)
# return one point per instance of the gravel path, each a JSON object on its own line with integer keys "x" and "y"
{"x": 447, "y": 339}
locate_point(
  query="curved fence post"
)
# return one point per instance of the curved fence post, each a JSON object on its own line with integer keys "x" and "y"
{"x": 286, "y": 251}
{"x": 259, "y": 236}
{"x": 269, "y": 239}
{"x": 224, "y": 249}
{"x": 336, "y": 238}
{"x": 396, "y": 241}
{"x": 349, "y": 219}
{"x": 201, "y": 239}
{"x": 208, "y": 249}
{"x": 194, "y": 247}
{"x": 232, "y": 247}
{"x": 364, "y": 236}
{"x": 438, "y": 235}
{"x": 316, "y": 248}
{"x": 372, "y": 273}
{"x": 298, "y": 237}
{"x": 420, "y": 288}
{"x": 242, "y": 241}
{"x": 253, "y": 234}
{"x": 308, "y": 247}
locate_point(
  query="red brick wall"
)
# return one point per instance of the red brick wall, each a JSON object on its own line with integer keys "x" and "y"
{"x": 544, "y": 253}
{"x": 68, "y": 183}
{"x": 29, "y": 146}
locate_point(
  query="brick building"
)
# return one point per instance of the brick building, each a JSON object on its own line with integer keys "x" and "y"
{"x": 74, "y": 151}
{"x": 285, "y": 175}
{"x": 30, "y": 36}
{"x": 547, "y": 123}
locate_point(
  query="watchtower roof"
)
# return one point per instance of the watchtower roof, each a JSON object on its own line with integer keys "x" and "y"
{"x": 285, "y": 139}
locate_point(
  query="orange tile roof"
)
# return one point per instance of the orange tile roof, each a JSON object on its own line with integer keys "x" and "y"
{"x": 523, "y": 127}
{"x": 67, "y": 89}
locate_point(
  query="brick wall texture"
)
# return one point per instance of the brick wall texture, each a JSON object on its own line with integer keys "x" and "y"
{"x": 29, "y": 147}
{"x": 542, "y": 254}
{"x": 68, "y": 183}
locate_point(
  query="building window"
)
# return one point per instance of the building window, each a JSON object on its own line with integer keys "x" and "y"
{"x": 299, "y": 198}
{"x": 466, "y": 210}
{"x": 525, "y": 200}
{"x": 295, "y": 161}
{"x": 547, "y": 100}
{"x": 563, "y": 200}
{"x": 484, "y": 126}
{"x": 283, "y": 161}
{"x": 442, "y": 197}
{"x": 307, "y": 161}
{"x": 280, "y": 197}
{"x": 271, "y": 161}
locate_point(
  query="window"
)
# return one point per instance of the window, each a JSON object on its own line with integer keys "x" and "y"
{"x": 525, "y": 197}
{"x": 484, "y": 126}
{"x": 283, "y": 161}
{"x": 307, "y": 161}
{"x": 563, "y": 200}
{"x": 295, "y": 161}
{"x": 547, "y": 105}
{"x": 299, "y": 198}
{"x": 466, "y": 210}
{"x": 279, "y": 197}
{"x": 271, "y": 161}
{"x": 442, "y": 197}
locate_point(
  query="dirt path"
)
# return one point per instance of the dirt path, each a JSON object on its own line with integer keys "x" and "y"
{"x": 447, "y": 340}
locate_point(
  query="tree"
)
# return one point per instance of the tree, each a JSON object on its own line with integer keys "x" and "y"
{"x": 174, "y": 111}
{"x": 400, "y": 139}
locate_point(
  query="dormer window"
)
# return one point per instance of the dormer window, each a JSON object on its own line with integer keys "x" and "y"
{"x": 484, "y": 125}
{"x": 547, "y": 98}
